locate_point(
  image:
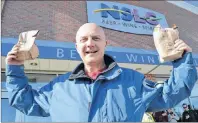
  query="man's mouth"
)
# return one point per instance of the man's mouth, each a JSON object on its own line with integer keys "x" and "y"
{"x": 91, "y": 52}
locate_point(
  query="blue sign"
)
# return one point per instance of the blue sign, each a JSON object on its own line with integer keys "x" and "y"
{"x": 123, "y": 17}
{"x": 71, "y": 54}
{"x": 67, "y": 51}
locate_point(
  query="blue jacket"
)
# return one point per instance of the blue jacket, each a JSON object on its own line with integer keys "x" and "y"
{"x": 118, "y": 94}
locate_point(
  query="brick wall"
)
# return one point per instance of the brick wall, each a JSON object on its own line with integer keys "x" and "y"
{"x": 59, "y": 20}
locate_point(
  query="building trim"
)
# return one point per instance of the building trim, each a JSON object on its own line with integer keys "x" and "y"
{"x": 185, "y": 5}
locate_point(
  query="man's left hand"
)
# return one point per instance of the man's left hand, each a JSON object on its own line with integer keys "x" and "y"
{"x": 180, "y": 45}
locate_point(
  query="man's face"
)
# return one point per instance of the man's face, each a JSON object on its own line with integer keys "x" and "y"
{"x": 169, "y": 110}
{"x": 90, "y": 43}
{"x": 185, "y": 107}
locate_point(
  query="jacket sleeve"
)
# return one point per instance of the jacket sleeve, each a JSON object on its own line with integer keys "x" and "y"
{"x": 23, "y": 97}
{"x": 178, "y": 87}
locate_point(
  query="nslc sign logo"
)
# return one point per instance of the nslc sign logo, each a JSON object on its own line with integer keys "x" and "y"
{"x": 127, "y": 14}
{"x": 123, "y": 17}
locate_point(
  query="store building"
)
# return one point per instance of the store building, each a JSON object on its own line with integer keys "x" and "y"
{"x": 128, "y": 27}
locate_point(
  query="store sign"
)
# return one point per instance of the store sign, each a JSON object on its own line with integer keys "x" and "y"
{"x": 67, "y": 51}
{"x": 72, "y": 54}
{"x": 123, "y": 17}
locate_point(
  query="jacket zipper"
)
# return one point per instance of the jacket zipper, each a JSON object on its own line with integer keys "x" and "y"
{"x": 89, "y": 103}
{"x": 89, "y": 106}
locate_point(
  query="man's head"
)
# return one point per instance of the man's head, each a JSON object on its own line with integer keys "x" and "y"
{"x": 185, "y": 106}
{"x": 169, "y": 110}
{"x": 91, "y": 43}
{"x": 164, "y": 113}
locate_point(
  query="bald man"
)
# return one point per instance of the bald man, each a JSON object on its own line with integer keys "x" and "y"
{"x": 98, "y": 90}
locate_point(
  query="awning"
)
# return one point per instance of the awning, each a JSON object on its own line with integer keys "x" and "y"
{"x": 50, "y": 49}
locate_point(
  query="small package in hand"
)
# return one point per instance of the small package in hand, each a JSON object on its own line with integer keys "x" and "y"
{"x": 28, "y": 50}
{"x": 164, "y": 40}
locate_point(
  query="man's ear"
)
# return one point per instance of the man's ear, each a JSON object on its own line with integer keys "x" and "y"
{"x": 107, "y": 42}
{"x": 76, "y": 47}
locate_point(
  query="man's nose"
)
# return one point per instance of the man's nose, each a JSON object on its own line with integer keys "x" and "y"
{"x": 90, "y": 43}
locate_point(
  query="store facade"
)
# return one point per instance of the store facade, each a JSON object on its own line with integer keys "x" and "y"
{"x": 128, "y": 26}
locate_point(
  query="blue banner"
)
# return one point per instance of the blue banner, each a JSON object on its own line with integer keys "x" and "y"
{"x": 71, "y": 54}
{"x": 67, "y": 51}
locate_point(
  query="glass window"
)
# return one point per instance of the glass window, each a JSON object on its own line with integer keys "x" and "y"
{"x": 194, "y": 101}
{"x": 20, "y": 117}
{"x": 38, "y": 77}
{"x": 194, "y": 96}
{"x": 3, "y": 77}
{"x": 192, "y": 2}
{"x": 7, "y": 112}
{"x": 34, "y": 77}
{"x": 10, "y": 114}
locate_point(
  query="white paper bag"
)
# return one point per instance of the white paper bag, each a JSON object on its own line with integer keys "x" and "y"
{"x": 28, "y": 50}
{"x": 164, "y": 40}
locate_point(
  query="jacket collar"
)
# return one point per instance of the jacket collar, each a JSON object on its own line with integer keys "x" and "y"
{"x": 79, "y": 72}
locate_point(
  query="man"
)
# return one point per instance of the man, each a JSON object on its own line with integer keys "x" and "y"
{"x": 172, "y": 117}
{"x": 148, "y": 117}
{"x": 161, "y": 116}
{"x": 188, "y": 114}
{"x": 98, "y": 90}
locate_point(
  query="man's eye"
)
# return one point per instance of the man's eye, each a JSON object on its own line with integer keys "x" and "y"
{"x": 96, "y": 39}
{"x": 83, "y": 40}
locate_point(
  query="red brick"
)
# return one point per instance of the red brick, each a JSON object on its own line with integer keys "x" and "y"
{"x": 59, "y": 20}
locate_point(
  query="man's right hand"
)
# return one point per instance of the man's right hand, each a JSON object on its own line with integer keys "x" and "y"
{"x": 12, "y": 55}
